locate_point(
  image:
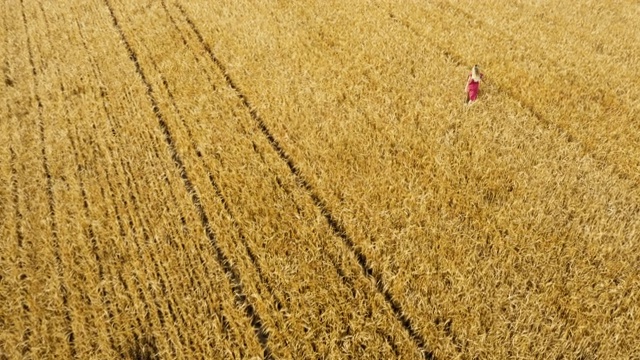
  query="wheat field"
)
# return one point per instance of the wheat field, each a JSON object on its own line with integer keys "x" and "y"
{"x": 244, "y": 179}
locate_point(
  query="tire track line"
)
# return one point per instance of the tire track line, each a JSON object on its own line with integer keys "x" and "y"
{"x": 335, "y": 262}
{"x": 91, "y": 235}
{"x": 142, "y": 294}
{"x": 15, "y": 195}
{"x": 387, "y": 337}
{"x": 145, "y": 340}
{"x": 140, "y": 341}
{"x": 335, "y": 225}
{"x": 148, "y": 296}
{"x": 93, "y": 242}
{"x": 49, "y": 189}
{"x": 242, "y": 300}
{"x": 178, "y": 247}
{"x": 24, "y": 347}
{"x": 8, "y": 80}
{"x": 218, "y": 191}
{"x": 133, "y": 184}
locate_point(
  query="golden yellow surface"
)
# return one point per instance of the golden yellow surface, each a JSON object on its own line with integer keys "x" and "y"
{"x": 298, "y": 180}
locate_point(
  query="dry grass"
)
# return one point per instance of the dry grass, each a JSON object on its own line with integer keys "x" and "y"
{"x": 268, "y": 179}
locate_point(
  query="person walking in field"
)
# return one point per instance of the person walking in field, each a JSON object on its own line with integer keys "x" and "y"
{"x": 473, "y": 84}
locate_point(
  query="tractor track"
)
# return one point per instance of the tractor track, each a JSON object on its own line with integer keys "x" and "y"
{"x": 6, "y": 70}
{"x": 139, "y": 230}
{"x": 119, "y": 219}
{"x": 346, "y": 281}
{"x": 219, "y": 195}
{"x": 242, "y": 301}
{"x": 172, "y": 195}
{"x": 49, "y": 189}
{"x": 335, "y": 225}
{"x": 91, "y": 234}
{"x": 15, "y": 195}
{"x": 142, "y": 295}
{"x": 114, "y": 130}
{"x": 218, "y": 191}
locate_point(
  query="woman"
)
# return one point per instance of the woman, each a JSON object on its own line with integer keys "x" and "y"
{"x": 473, "y": 84}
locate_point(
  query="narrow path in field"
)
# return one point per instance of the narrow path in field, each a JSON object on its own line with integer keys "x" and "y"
{"x": 16, "y": 198}
{"x": 49, "y": 189}
{"x": 110, "y": 187}
{"x": 333, "y": 222}
{"x": 115, "y": 130}
{"x": 24, "y": 347}
{"x": 336, "y": 263}
{"x": 153, "y": 302}
{"x": 201, "y": 59}
{"x": 86, "y": 247}
{"x": 15, "y": 113}
{"x": 91, "y": 233}
{"x": 216, "y": 186}
{"x": 241, "y": 299}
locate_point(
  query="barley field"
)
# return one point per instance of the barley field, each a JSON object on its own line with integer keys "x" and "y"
{"x": 269, "y": 179}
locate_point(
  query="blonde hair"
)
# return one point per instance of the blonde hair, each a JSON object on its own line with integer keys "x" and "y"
{"x": 475, "y": 73}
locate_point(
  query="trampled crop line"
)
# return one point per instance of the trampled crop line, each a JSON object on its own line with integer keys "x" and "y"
{"x": 227, "y": 207}
{"x": 92, "y": 237}
{"x": 90, "y": 231}
{"x": 8, "y": 80}
{"x": 242, "y": 301}
{"x": 24, "y": 346}
{"x": 111, "y": 122}
{"x": 335, "y": 225}
{"x": 132, "y": 184}
{"x": 137, "y": 339}
{"x": 134, "y": 348}
{"x": 141, "y": 295}
{"x": 49, "y": 189}
{"x": 16, "y": 198}
{"x": 167, "y": 295}
{"x": 214, "y": 184}
{"x": 217, "y": 189}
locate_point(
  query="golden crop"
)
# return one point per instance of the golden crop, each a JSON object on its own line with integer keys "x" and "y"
{"x": 293, "y": 180}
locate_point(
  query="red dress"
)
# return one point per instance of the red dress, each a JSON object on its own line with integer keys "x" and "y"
{"x": 473, "y": 87}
